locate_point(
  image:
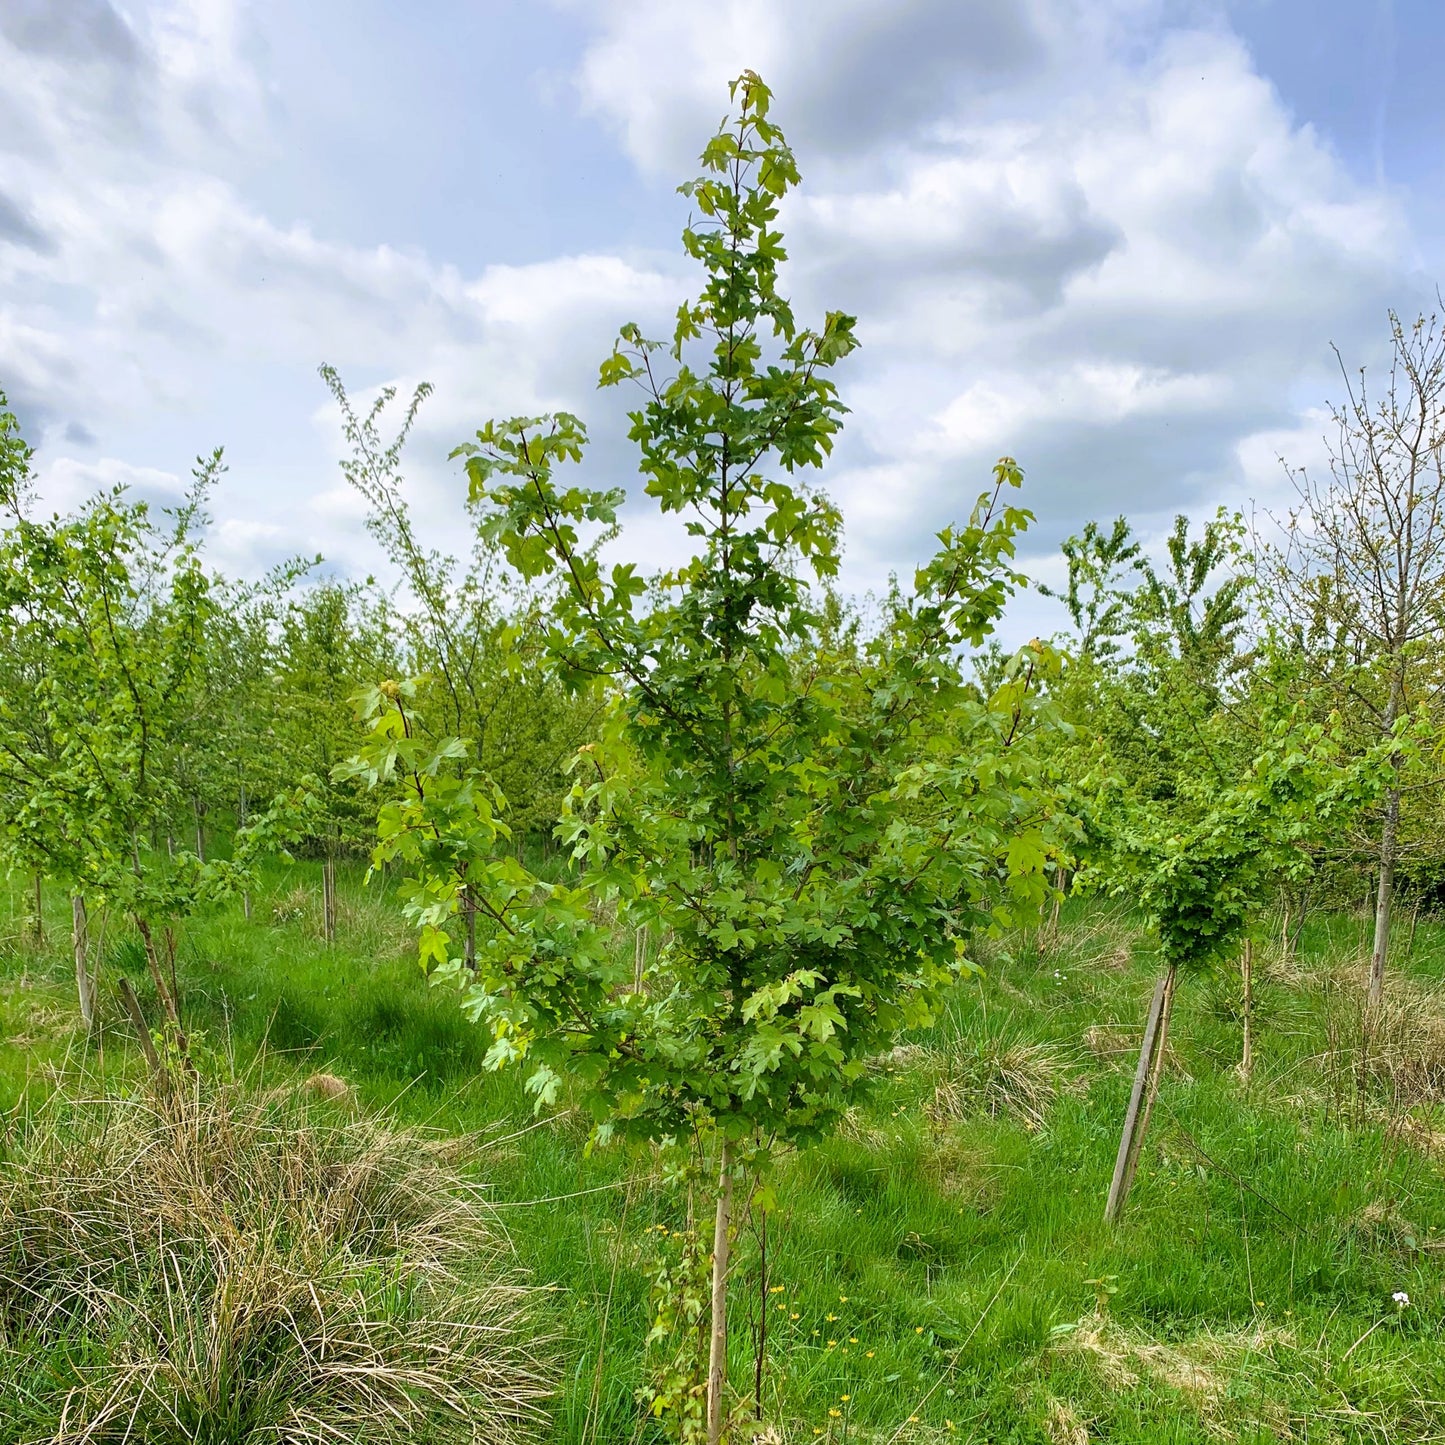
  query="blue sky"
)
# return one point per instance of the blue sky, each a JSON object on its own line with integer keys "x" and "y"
{"x": 1114, "y": 238}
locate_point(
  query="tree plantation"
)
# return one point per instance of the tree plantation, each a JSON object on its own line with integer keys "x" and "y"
{"x": 833, "y": 1021}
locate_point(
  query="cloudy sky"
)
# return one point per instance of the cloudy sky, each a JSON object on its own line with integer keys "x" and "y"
{"x": 1114, "y": 238}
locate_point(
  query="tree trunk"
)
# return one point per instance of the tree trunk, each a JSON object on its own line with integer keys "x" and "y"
{"x": 717, "y": 1363}
{"x": 200, "y": 829}
{"x": 244, "y": 816}
{"x": 1050, "y": 937}
{"x": 143, "y": 1034}
{"x": 470, "y": 907}
{"x": 1384, "y": 895}
{"x": 38, "y": 923}
{"x": 163, "y": 990}
{"x": 328, "y": 899}
{"x": 1136, "y": 1118}
{"x": 80, "y": 936}
{"x": 1246, "y": 1052}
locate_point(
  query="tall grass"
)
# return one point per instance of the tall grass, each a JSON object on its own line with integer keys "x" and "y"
{"x": 939, "y": 1259}
{"x": 213, "y": 1265}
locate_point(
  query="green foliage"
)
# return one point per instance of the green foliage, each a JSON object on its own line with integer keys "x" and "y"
{"x": 679, "y": 1297}
{"x": 108, "y": 624}
{"x": 102, "y": 622}
{"x": 470, "y": 627}
{"x": 812, "y": 838}
{"x": 1205, "y": 868}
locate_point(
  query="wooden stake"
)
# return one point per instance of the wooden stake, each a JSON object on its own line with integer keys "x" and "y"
{"x": 1246, "y": 1053}
{"x": 132, "y": 1007}
{"x": 328, "y": 899}
{"x": 39, "y": 921}
{"x": 1119, "y": 1185}
{"x": 717, "y": 1363}
{"x": 1156, "y": 1074}
{"x": 80, "y": 937}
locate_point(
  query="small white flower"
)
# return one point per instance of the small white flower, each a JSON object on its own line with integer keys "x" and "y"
{"x": 1057, "y": 974}
{"x": 1401, "y": 1299}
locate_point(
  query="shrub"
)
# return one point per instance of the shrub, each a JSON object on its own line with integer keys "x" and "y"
{"x": 215, "y": 1265}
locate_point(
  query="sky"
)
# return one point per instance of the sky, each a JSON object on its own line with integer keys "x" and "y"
{"x": 1115, "y": 239}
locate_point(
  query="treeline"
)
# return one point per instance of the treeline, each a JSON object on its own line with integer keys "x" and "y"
{"x": 163, "y": 726}
{"x": 152, "y": 710}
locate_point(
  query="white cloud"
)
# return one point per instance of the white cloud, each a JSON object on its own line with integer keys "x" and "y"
{"x": 1069, "y": 235}
{"x": 67, "y": 482}
{"x": 1120, "y": 268}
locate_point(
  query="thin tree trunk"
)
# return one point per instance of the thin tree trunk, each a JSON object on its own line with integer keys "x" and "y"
{"x": 80, "y": 936}
{"x": 717, "y": 1363}
{"x": 1246, "y": 1053}
{"x": 200, "y": 829}
{"x": 39, "y": 920}
{"x": 1050, "y": 938}
{"x": 243, "y": 817}
{"x": 763, "y": 1297}
{"x": 1384, "y": 895}
{"x": 1123, "y": 1170}
{"x": 328, "y": 899}
{"x": 163, "y": 989}
{"x": 470, "y": 907}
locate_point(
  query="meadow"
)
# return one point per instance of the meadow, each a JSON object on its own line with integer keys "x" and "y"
{"x": 940, "y": 1269}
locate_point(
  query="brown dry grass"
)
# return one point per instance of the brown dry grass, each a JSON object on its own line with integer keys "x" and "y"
{"x": 1000, "y": 1076}
{"x": 1199, "y": 1370}
{"x": 212, "y": 1265}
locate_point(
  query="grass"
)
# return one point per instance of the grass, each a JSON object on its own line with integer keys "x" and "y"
{"x": 942, "y": 1267}
{"x": 229, "y": 1263}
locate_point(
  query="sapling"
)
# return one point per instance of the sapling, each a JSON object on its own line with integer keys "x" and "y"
{"x": 103, "y": 619}
{"x": 810, "y": 833}
{"x": 1204, "y": 865}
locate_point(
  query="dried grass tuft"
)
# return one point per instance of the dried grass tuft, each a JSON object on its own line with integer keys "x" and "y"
{"x": 1062, "y": 1424}
{"x": 1000, "y": 1076}
{"x": 1200, "y": 1369}
{"x": 1391, "y": 1053}
{"x": 218, "y": 1266}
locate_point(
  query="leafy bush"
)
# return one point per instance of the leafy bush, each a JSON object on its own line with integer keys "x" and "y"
{"x": 218, "y": 1266}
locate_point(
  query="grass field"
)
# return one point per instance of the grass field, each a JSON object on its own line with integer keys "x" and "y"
{"x": 941, "y": 1269}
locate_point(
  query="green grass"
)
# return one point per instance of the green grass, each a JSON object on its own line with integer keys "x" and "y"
{"x": 955, "y": 1248}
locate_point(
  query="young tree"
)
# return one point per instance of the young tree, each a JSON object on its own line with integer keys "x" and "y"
{"x": 814, "y": 837}
{"x": 1360, "y": 576}
{"x": 104, "y": 617}
{"x": 469, "y": 628}
{"x": 1205, "y": 864}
